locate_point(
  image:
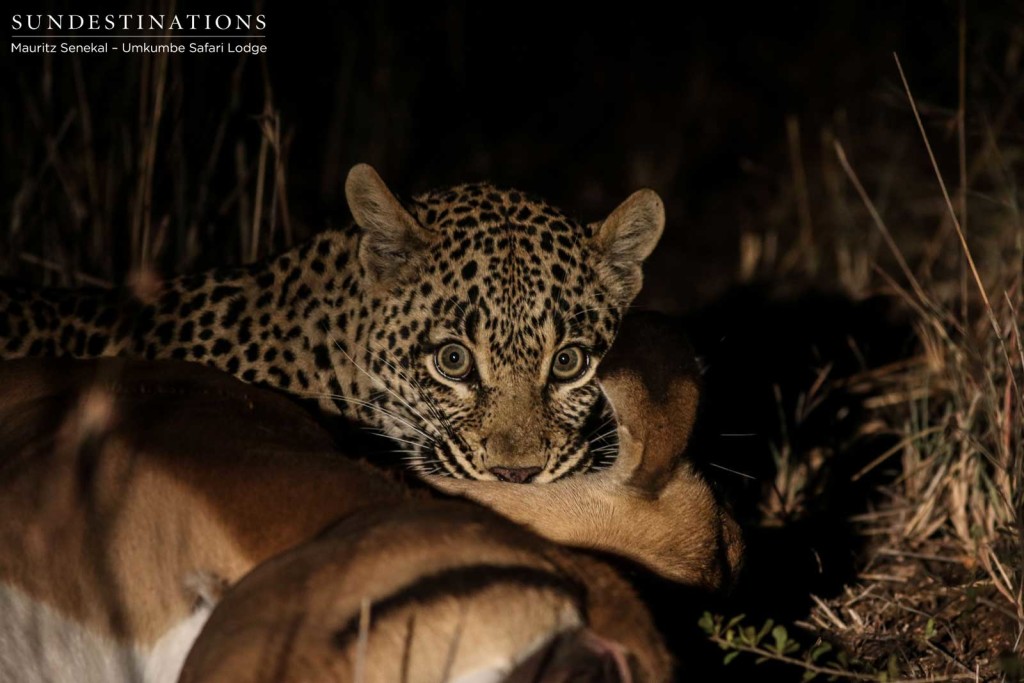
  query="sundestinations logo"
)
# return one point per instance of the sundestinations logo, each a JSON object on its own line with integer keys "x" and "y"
{"x": 138, "y": 33}
{"x": 138, "y": 22}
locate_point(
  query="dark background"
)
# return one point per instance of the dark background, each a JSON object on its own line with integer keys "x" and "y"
{"x": 572, "y": 103}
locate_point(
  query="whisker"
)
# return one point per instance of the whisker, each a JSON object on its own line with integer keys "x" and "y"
{"x": 372, "y": 406}
{"x": 595, "y": 430}
{"x": 742, "y": 474}
{"x": 404, "y": 376}
{"x": 608, "y": 421}
{"x": 395, "y": 438}
{"x": 441, "y": 421}
{"x": 601, "y": 308}
{"x": 372, "y": 378}
{"x": 432, "y": 407}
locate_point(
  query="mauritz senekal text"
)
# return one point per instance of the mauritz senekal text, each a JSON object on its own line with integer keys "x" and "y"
{"x": 140, "y": 48}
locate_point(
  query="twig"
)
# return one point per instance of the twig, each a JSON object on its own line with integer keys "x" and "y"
{"x": 959, "y": 230}
{"x": 886, "y": 235}
{"x": 828, "y": 670}
{"x": 949, "y": 657}
{"x": 81, "y": 277}
{"x": 882, "y": 577}
{"x": 359, "y": 673}
{"x": 895, "y": 449}
{"x": 803, "y": 202}
{"x": 961, "y": 125}
{"x": 895, "y": 552}
{"x": 829, "y": 613}
{"x": 257, "y": 212}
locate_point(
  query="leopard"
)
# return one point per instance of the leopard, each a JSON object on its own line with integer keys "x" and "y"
{"x": 465, "y": 324}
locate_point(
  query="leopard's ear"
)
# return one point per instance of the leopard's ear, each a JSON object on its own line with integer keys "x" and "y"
{"x": 625, "y": 239}
{"x": 391, "y": 236}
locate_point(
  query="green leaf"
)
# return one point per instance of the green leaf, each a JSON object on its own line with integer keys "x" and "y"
{"x": 929, "y": 629}
{"x": 735, "y": 620}
{"x": 765, "y": 629}
{"x": 707, "y": 623}
{"x": 731, "y": 656}
{"x": 893, "y": 667}
{"x": 781, "y": 638}
{"x": 809, "y": 675}
{"x": 819, "y": 650}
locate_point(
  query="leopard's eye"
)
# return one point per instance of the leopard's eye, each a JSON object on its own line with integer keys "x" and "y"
{"x": 569, "y": 364}
{"x": 454, "y": 361}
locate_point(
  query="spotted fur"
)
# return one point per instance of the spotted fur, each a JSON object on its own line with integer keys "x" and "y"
{"x": 352, "y": 319}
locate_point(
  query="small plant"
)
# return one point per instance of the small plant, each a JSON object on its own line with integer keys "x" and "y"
{"x": 772, "y": 642}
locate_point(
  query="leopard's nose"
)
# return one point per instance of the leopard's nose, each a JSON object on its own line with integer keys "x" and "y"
{"x": 515, "y": 475}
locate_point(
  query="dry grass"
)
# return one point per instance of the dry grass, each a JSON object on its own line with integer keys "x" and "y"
{"x": 957, "y": 536}
{"x": 940, "y": 591}
{"x": 119, "y": 196}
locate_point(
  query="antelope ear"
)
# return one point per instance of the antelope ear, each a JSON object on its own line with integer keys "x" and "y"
{"x": 625, "y": 239}
{"x": 391, "y": 236}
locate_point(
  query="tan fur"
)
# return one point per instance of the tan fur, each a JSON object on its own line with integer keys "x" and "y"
{"x": 121, "y": 483}
{"x": 353, "y": 319}
{"x": 392, "y": 234}
{"x": 188, "y": 470}
{"x": 627, "y": 237}
{"x": 650, "y": 505}
{"x": 153, "y": 482}
{"x": 290, "y": 611}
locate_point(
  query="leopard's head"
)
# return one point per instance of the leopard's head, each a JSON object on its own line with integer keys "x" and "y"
{"x": 493, "y": 311}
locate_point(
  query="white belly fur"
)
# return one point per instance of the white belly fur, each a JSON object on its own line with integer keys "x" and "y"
{"x": 499, "y": 669}
{"x": 489, "y": 675}
{"x": 165, "y": 659}
{"x": 40, "y": 645}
